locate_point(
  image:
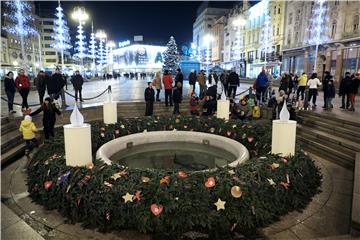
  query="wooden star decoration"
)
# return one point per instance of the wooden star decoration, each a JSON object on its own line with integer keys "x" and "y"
{"x": 128, "y": 197}
{"x": 117, "y": 175}
{"x": 271, "y": 182}
{"x": 220, "y": 204}
{"x": 274, "y": 166}
{"x": 231, "y": 172}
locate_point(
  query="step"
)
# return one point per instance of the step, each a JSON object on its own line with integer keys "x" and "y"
{"x": 4, "y": 120}
{"x": 355, "y": 125}
{"x": 10, "y": 143}
{"x": 353, "y": 146}
{"x": 13, "y": 154}
{"x": 327, "y": 153}
{"x": 8, "y": 127}
{"x": 330, "y": 128}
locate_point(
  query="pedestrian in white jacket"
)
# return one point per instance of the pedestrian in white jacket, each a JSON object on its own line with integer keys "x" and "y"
{"x": 313, "y": 83}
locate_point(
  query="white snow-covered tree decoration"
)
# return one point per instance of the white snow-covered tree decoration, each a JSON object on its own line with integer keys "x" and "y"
{"x": 171, "y": 56}
{"x": 266, "y": 36}
{"x": 92, "y": 45}
{"x": 61, "y": 33}
{"x": 317, "y": 26}
{"x": 101, "y": 52}
{"x": 81, "y": 42}
{"x": 21, "y": 22}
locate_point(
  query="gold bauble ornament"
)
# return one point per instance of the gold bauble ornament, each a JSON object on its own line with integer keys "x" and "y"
{"x": 236, "y": 192}
{"x": 145, "y": 179}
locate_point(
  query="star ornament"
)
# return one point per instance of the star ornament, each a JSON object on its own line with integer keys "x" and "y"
{"x": 274, "y": 166}
{"x": 220, "y": 204}
{"x": 271, "y": 182}
{"x": 117, "y": 175}
{"x": 128, "y": 197}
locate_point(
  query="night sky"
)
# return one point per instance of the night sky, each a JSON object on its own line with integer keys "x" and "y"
{"x": 156, "y": 21}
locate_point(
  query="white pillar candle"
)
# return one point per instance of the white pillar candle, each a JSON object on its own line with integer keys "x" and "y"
{"x": 223, "y": 107}
{"x": 110, "y": 112}
{"x": 283, "y": 137}
{"x": 77, "y": 145}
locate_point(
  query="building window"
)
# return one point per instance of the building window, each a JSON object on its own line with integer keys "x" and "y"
{"x": 279, "y": 10}
{"x": 278, "y": 30}
{"x": 356, "y": 23}
{"x": 336, "y": 2}
{"x": 290, "y": 18}
{"x": 50, "y": 53}
{"x": 296, "y": 37}
{"x": 289, "y": 38}
{"x": 48, "y": 38}
{"x": 275, "y": 10}
{"x": 273, "y": 31}
{"x": 48, "y": 30}
{"x": 51, "y": 60}
{"x": 47, "y": 23}
{"x": 333, "y": 29}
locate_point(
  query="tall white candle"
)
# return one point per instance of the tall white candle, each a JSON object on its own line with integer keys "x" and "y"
{"x": 110, "y": 112}
{"x": 223, "y": 107}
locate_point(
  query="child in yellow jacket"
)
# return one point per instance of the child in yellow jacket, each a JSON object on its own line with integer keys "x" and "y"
{"x": 28, "y": 130}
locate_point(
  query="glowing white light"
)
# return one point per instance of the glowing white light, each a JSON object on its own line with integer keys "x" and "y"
{"x": 80, "y": 15}
{"x": 76, "y": 118}
{"x": 92, "y": 46}
{"x": 15, "y": 63}
{"x": 124, "y": 43}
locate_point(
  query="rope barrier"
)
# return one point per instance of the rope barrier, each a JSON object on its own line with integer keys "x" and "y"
{"x": 249, "y": 89}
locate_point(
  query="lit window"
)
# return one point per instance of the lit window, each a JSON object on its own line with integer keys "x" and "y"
{"x": 356, "y": 23}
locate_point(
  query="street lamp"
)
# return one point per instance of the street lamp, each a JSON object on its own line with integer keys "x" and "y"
{"x": 208, "y": 40}
{"x": 81, "y": 16}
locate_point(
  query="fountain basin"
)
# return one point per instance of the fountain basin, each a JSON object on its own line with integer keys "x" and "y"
{"x": 218, "y": 150}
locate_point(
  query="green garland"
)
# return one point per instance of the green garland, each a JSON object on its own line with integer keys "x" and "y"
{"x": 271, "y": 186}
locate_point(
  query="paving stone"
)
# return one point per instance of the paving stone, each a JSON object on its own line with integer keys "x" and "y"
{"x": 20, "y": 230}
{"x": 340, "y": 203}
{"x": 8, "y": 217}
{"x": 285, "y": 235}
{"x": 343, "y": 187}
{"x": 303, "y": 232}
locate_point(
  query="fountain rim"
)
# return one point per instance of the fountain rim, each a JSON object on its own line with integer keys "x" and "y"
{"x": 107, "y": 150}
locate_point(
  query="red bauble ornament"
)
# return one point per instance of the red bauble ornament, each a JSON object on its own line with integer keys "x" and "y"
{"x": 250, "y": 139}
{"x": 182, "y": 174}
{"x": 210, "y": 182}
{"x": 156, "y": 209}
{"x": 48, "y": 184}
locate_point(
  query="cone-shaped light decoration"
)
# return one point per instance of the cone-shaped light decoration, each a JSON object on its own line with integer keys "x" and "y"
{"x": 284, "y": 113}
{"x": 223, "y": 96}
{"x": 76, "y": 118}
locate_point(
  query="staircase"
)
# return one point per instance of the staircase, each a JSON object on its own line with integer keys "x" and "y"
{"x": 327, "y": 136}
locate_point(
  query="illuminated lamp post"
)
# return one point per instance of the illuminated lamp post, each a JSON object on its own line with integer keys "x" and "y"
{"x": 208, "y": 40}
{"x": 81, "y": 16}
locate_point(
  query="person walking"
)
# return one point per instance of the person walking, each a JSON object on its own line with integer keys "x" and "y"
{"x": 28, "y": 130}
{"x": 179, "y": 78}
{"x": 234, "y": 82}
{"x": 329, "y": 94}
{"x": 202, "y": 83}
{"x": 192, "y": 81}
{"x": 49, "y": 117}
{"x": 285, "y": 83}
{"x": 353, "y": 91}
{"x": 10, "y": 89}
{"x": 261, "y": 85}
{"x": 168, "y": 81}
{"x": 22, "y": 83}
{"x": 149, "y": 99}
{"x": 313, "y": 85}
{"x": 40, "y": 83}
{"x": 158, "y": 85}
{"x": 224, "y": 81}
{"x": 344, "y": 90}
{"x": 177, "y": 98}
{"x": 55, "y": 86}
{"x": 212, "y": 78}
{"x": 77, "y": 82}
{"x": 302, "y": 83}
{"x": 327, "y": 77}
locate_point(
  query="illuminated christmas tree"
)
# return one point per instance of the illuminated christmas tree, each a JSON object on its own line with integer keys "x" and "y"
{"x": 266, "y": 38}
{"x": 92, "y": 46}
{"x": 19, "y": 14}
{"x": 171, "y": 56}
{"x": 62, "y": 36}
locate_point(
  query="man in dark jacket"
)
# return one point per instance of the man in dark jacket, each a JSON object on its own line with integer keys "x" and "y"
{"x": 55, "y": 86}
{"x": 177, "y": 98}
{"x": 179, "y": 78}
{"x": 212, "y": 78}
{"x": 40, "y": 83}
{"x": 192, "y": 80}
{"x": 10, "y": 89}
{"x": 224, "y": 81}
{"x": 327, "y": 77}
{"x": 344, "y": 88}
{"x": 261, "y": 85}
{"x": 149, "y": 99}
{"x": 234, "y": 82}
{"x": 77, "y": 81}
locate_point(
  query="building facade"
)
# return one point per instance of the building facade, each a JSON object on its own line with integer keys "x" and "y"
{"x": 339, "y": 54}
{"x": 217, "y": 51}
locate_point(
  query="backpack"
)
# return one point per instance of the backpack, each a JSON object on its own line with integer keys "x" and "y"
{"x": 256, "y": 113}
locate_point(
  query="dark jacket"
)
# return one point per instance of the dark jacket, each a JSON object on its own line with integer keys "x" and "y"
{"x": 176, "y": 95}
{"x": 179, "y": 78}
{"x": 9, "y": 85}
{"x": 49, "y": 117}
{"x": 326, "y": 79}
{"x": 234, "y": 79}
{"x": 210, "y": 78}
{"x": 329, "y": 91}
{"x": 55, "y": 83}
{"x": 345, "y": 85}
{"x": 224, "y": 78}
{"x": 149, "y": 94}
{"x": 40, "y": 82}
{"x": 77, "y": 81}
{"x": 354, "y": 88}
{"x": 261, "y": 80}
{"x": 211, "y": 91}
{"x": 192, "y": 78}
{"x": 284, "y": 83}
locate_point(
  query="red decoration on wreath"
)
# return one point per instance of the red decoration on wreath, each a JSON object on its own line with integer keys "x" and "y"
{"x": 156, "y": 209}
{"x": 165, "y": 180}
{"x": 182, "y": 174}
{"x": 210, "y": 182}
{"x": 48, "y": 184}
{"x": 137, "y": 195}
{"x": 250, "y": 139}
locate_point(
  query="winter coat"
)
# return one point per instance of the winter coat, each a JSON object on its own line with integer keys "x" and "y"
{"x": 261, "y": 80}
{"x": 157, "y": 82}
{"x": 40, "y": 82}
{"x": 284, "y": 83}
{"x": 219, "y": 88}
{"x": 55, "y": 83}
{"x": 329, "y": 91}
{"x": 149, "y": 94}
{"x": 22, "y": 82}
{"x": 77, "y": 81}
{"x": 28, "y": 129}
{"x": 167, "y": 80}
{"x": 326, "y": 79}
{"x": 345, "y": 85}
{"x": 212, "y": 79}
{"x": 176, "y": 95}
{"x": 313, "y": 83}
{"x": 233, "y": 79}
{"x": 211, "y": 91}
{"x": 244, "y": 110}
{"x": 9, "y": 85}
{"x": 193, "y": 105}
{"x": 354, "y": 88}
{"x": 201, "y": 79}
{"x": 302, "y": 80}
{"x": 49, "y": 116}
{"x": 192, "y": 78}
{"x": 179, "y": 78}
{"x": 224, "y": 78}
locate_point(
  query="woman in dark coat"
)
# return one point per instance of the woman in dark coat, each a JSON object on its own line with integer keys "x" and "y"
{"x": 10, "y": 89}
{"x": 49, "y": 117}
